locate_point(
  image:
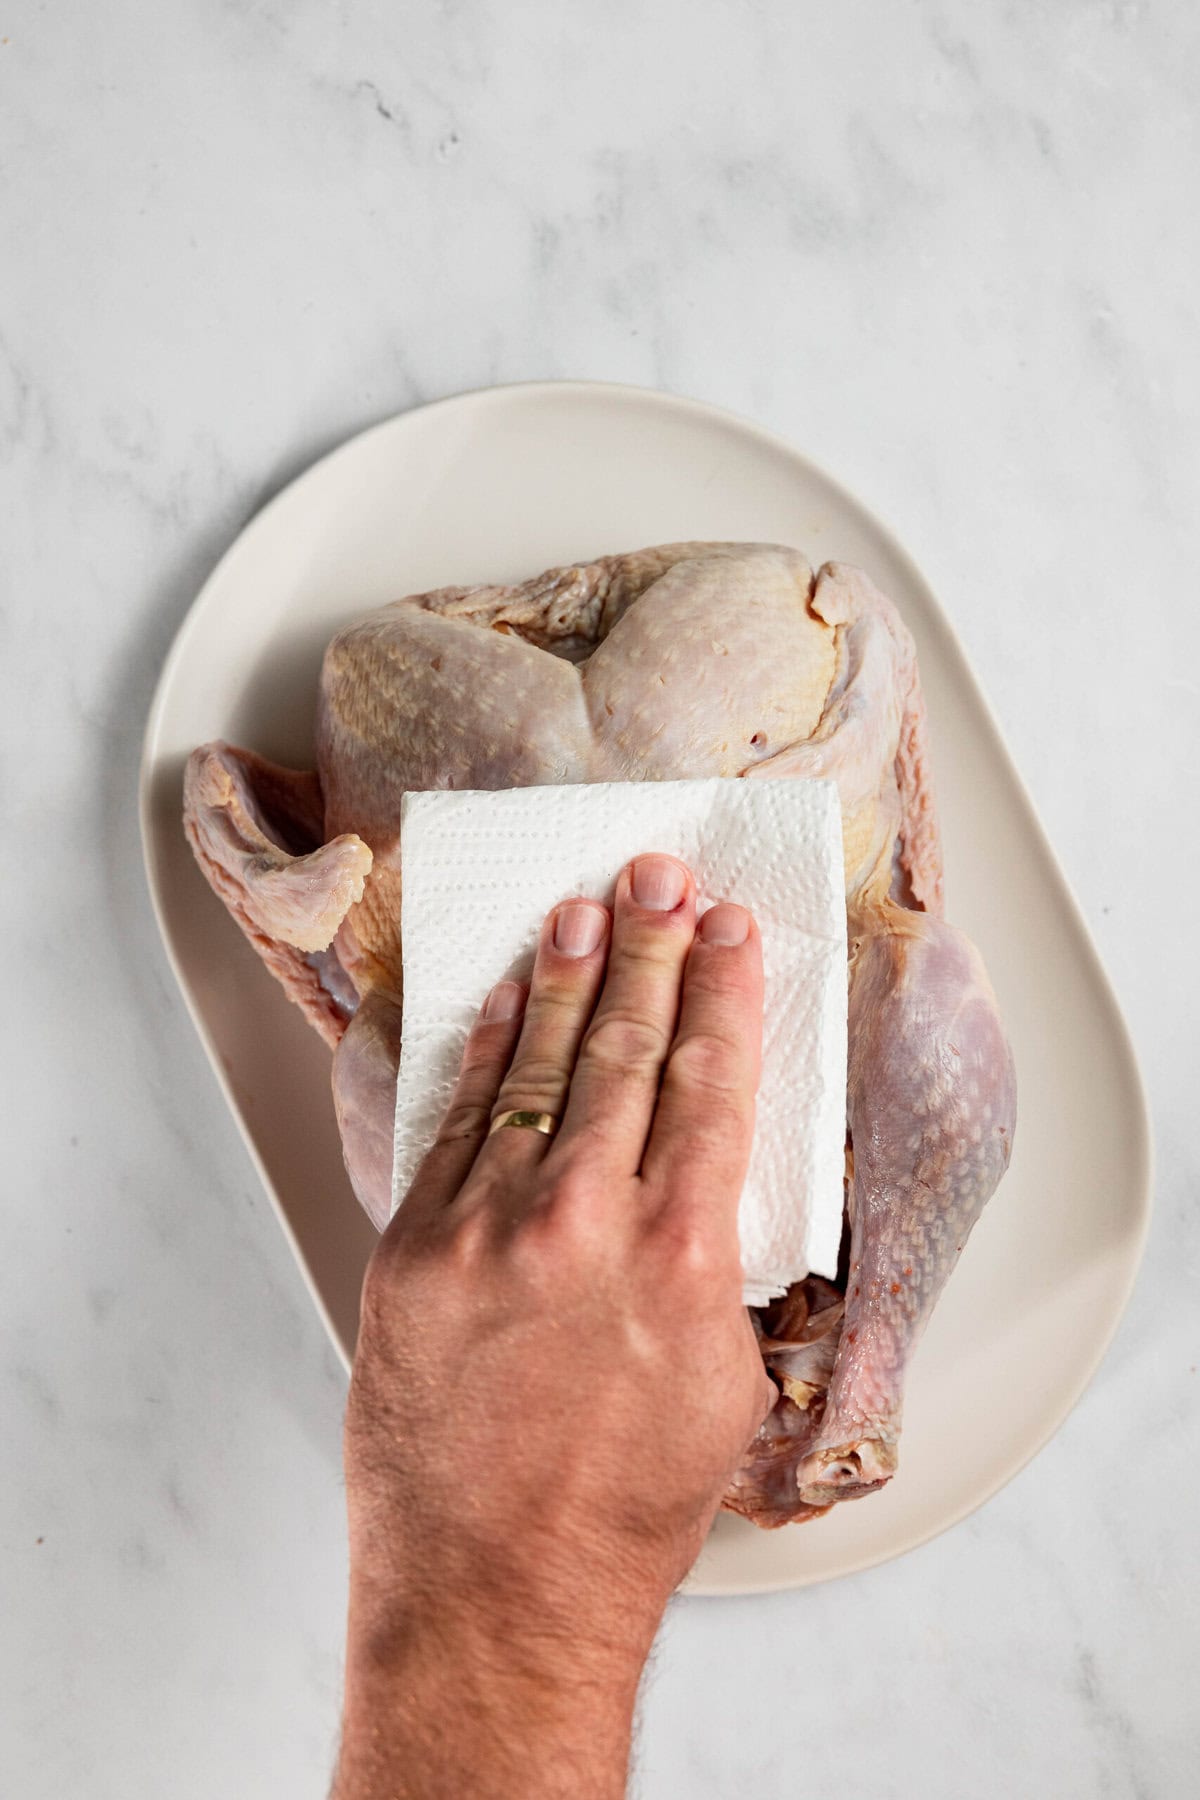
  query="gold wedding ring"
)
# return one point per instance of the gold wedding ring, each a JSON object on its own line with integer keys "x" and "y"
{"x": 526, "y": 1121}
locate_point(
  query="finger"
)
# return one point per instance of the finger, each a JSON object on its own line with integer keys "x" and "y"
{"x": 486, "y": 1056}
{"x": 566, "y": 979}
{"x": 704, "y": 1121}
{"x": 621, "y": 1059}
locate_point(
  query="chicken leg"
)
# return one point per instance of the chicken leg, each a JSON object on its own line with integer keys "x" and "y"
{"x": 932, "y": 1109}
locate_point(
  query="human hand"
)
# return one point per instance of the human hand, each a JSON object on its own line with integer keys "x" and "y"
{"x": 555, "y": 1375}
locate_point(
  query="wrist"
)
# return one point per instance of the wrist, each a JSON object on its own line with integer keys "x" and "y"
{"x": 527, "y": 1601}
{"x": 488, "y": 1695}
{"x": 522, "y": 1646}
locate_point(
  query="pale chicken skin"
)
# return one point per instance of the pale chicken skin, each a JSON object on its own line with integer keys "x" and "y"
{"x": 676, "y": 662}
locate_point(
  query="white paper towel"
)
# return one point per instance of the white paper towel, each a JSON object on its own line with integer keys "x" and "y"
{"x": 482, "y": 870}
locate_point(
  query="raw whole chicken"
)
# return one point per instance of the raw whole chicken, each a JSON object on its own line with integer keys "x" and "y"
{"x": 682, "y": 661}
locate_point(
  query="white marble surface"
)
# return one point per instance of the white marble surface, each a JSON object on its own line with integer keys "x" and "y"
{"x": 953, "y": 253}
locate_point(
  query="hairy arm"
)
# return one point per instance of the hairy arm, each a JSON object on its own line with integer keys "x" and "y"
{"x": 529, "y": 1471}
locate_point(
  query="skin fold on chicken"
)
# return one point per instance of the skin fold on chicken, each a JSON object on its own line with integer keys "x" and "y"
{"x": 677, "y": 662}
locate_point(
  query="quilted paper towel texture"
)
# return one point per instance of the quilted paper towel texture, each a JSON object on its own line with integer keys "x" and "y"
{"x": 481, "y": 871}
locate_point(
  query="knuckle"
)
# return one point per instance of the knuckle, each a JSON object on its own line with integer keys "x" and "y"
{"x": 556, "y": 999}
{"x": 625, "y": 1041}
{"x": 572, "y": 1192}
{"x": 695, "y": 1254}
{"x": 464, "y": 1118}
{"x": 728, "y": 975}
{"x": 542, "y": 1232}
{"x": 709, "y": 1062}
{"x": 534, "y": 1080}
{"x": 563, "y": 1231}
{"x": 483, "y": 1050}
{"x": 470, "y": 1240}
{"x": 647, "y": 947}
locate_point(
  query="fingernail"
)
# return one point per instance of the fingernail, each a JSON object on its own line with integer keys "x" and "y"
{"x": 658, "y": 883}
{"x": 578, "y": 928}
{"x": 729, "y": 925}
{"x": 504, "y": 1002}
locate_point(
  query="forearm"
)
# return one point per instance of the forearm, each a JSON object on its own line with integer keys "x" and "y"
{"x": 488, "y": 1707}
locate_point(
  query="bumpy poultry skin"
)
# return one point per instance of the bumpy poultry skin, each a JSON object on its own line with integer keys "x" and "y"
{"x": 679, "y": 661}
{"x": 931, "y": 1107}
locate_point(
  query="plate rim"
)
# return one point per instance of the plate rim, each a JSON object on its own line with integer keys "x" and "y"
{"x": 727, "y": 419}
